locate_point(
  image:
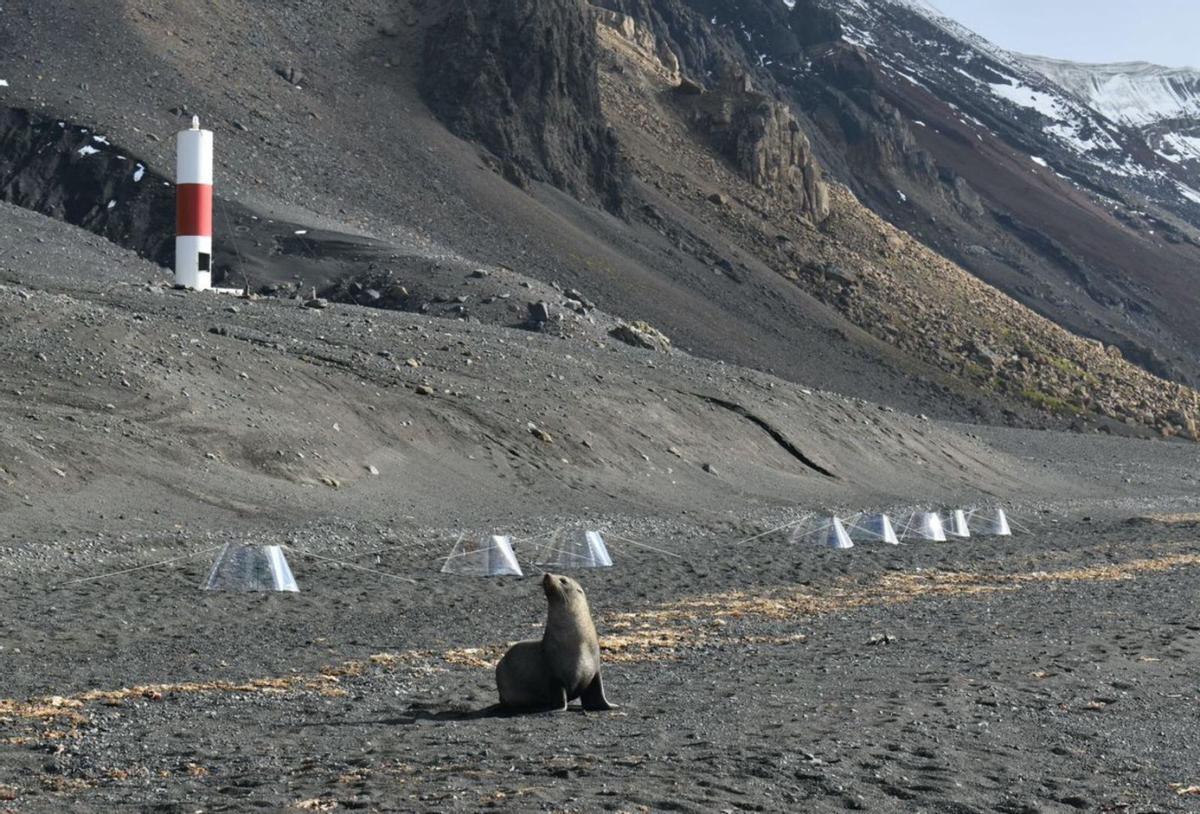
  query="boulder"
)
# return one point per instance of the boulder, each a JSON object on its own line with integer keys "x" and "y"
{"x": 539, "y": 313}
{"x": 641, "y": 335}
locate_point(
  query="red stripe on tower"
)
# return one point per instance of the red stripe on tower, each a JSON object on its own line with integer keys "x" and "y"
{"x": 194, "y": 210}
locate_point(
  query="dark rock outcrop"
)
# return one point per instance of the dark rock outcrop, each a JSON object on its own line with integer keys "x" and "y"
{"x": 764, "y": 141}
{"x": 519, "y": 78}
{"x": 73, "y": 174}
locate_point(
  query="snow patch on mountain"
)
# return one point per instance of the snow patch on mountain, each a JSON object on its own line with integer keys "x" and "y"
{"x": 1189, "y": 193}
{"x": 1132, "y": 93}
{"x": 1098, "y": 113}
{"x": 1025, "y": 96}
{"x": 1178, "y": 147}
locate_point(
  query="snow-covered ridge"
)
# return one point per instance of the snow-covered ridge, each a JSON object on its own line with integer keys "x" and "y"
{"x": 1133, "y": 93}
{"x": 1136, "y": 94}
{"x": 1101, "y": 116}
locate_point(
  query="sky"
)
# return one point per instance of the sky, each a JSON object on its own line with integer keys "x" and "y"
{"x": 1163, "y": 31}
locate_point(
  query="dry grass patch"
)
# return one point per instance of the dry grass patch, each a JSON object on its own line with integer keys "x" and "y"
{"x": 662, "y": 633}
{"x": 479, "y": 657}
{"x": 649, "y": 644}
{"x": 55, "y": 708}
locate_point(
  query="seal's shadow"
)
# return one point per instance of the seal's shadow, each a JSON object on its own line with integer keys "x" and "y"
{"x": 420, "y": 713}
{"x": 495, "y": 711}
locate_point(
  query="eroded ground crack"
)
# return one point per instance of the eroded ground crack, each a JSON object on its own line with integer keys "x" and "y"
{"x": 777, "y": 436}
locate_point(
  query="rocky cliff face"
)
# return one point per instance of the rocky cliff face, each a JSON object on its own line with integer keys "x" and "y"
{"x": 519, "y": 77}
{"x": 639, "y": 43}
{"x": 709, "y": 35}
{"x": 763, "y": 140}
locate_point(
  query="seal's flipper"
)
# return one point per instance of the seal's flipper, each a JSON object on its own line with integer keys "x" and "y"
{"x": 592, "y": 696}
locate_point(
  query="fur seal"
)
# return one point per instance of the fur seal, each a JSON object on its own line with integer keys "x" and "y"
{"x": 545, "y": 674}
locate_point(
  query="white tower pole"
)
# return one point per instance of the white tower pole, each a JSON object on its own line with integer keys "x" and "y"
{"x": 194, "y": 199}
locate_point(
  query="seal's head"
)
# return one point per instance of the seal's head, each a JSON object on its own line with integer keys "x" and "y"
{"x": 562, "y": 590}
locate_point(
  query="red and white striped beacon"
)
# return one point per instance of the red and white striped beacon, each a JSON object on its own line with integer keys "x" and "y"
{"x": 193, "y": 201}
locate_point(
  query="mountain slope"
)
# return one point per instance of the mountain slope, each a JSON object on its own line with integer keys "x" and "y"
{"x": 353, "y": 149}
{"x": 879, "y": 278}
{"x": 737, "y": 245}
{"x": 990, "y": 163}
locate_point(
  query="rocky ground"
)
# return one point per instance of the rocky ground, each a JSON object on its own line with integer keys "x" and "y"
{"x": 1047, "y": 673}
{"x": 143, "y": 428}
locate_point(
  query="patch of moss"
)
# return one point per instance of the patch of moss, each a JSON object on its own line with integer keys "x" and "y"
{"x": 1073, "y": 369}
{"x": 975, "y": 371}
{"x": 1050, "y": 403}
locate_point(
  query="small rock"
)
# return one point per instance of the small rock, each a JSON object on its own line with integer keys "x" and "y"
{"x": 424, "y": 390}
{"x": 292, "y": 74}
{"x": 372, "y": 470}
{"x": 709, "y": 468}
{"x": 839, "y": 274}
{"x": 540, "y": 434}
{"x": 718, "y": 199}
